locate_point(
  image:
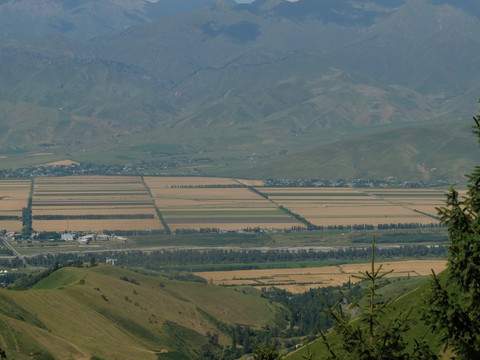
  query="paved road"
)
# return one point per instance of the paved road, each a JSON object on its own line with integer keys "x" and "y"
{"x": 7, "y": 244}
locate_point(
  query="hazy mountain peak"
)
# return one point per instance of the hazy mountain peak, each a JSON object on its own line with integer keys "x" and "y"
{"x": 471, "y": 7}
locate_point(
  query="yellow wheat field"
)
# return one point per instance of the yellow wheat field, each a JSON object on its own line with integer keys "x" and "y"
{"x": 222, "y": 208}
{"x": 13, "y": 198}
{"x": 205, "y": 194}
{"x": 299, "y": 280}
{"x": 191, "y": 202}
{"x": 88, "y": 210}
{"x": 92, "y": 195}
{"x": 97, "y": 225}
{"x": 14, "y": 195}
{"x": 166, "y": 203}
{"x": 251, "y": 182}
{"x": 11, "y": 225}
{"x": 348, "y": 206}
{"x": 423, "y": 200}
{"x": 233, "y": 225}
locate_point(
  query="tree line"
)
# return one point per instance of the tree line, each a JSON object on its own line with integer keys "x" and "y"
{"x": 186, "y": 260}
{"x": 93, "y": 217}
{"x": 208, "y": 186}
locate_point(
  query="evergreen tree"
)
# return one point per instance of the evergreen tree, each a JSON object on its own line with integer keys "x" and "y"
{"x": 452, "y": 308}
{"x": 265, "y": 353}
{"x": 93, "y": 262}
{"x": 373, "y": 336}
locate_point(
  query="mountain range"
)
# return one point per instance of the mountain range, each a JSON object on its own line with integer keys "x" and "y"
{"x": 309, "y": 89}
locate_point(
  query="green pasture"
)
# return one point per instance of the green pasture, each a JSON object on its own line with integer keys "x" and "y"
{"x": 219, "y": 212}
{"x": 411, "y": 196}
{"x": 196, "y": 239}
{"x": 131, "y": 315}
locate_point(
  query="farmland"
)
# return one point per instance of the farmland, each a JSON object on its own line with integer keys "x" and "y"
{"x": 299, "y": 280}
{"x": 96, "y": 203}
{"x": 13, "y": 197}
{"x": 348, "y": 206}
{"x": 195, "y": 203}
{"x": 419, "y": 200}
{"x": 92, "y": 203}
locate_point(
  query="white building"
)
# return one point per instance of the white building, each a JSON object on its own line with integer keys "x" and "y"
{"x": 67, "y": 237}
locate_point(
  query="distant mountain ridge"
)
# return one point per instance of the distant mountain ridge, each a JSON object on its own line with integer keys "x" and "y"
{"x": 237, "y": 81}
{"x": 84, "y": 19}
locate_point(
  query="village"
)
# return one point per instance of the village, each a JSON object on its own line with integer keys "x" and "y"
{"x": 80, "y": 238}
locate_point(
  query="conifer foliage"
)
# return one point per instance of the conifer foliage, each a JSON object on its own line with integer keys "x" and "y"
{"x": 452, "y": 307}
{"x": 373, "y": 336}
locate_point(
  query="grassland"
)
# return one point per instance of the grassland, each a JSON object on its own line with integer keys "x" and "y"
{"x": 411, "y": 302}
{"x": 299, "y": 280}
{"x": 113, "y": 313}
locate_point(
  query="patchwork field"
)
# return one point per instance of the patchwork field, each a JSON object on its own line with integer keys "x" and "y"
{"x": 298, "y": 280}
{"x": 419, "y": 200}
{"x": 99, "y": 203}
{"x": 211, "y": 203}
{"x": 93, "y": 203}
{"x": 347, "y": 206}
{"x": 251, "y": 182}
{"x": 13, "y": 197}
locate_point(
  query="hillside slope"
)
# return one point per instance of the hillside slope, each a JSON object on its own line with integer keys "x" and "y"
{"x": 412, "y": 301}
{"x": 114, "y": 313}
{"x": 429, "y": 152}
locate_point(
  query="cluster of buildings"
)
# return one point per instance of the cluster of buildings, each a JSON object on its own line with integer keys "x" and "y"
{"x": 86, "y": 239}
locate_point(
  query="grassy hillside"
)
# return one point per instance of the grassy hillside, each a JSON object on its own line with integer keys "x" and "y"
{"x": 113, "y": 313}
{"x": 412, "y": 300}
{"x": 423, "y": 153}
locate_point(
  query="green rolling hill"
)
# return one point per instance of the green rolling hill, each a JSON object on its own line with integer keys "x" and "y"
{"x": 419, "y": 153}
{"x": 410, "y": 301}
{"x": 107, "y": 312}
